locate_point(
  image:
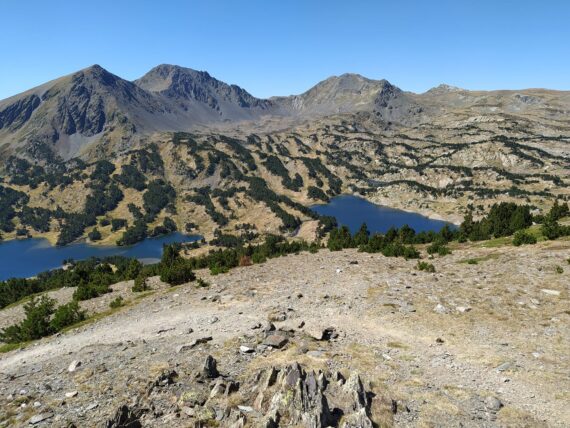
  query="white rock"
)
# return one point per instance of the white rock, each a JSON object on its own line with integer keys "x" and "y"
{"x": 440, "y": 309}
{"x": 550, "y": 292}
{"x": 463, "y": 309}
{"x": 70, "y": 394}
{"x": 73, "y": 366}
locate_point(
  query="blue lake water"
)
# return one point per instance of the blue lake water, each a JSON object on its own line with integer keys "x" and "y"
{"x": 28, "y": 257}
{"x": 352, "y": 211}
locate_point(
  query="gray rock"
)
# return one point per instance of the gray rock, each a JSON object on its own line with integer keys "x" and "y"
{"x": 194, "y": 343}
{"x": 493, "y": 403}
{"x": 276, "y": 340}
{"x": 210, "y": 369}
{"x": 92, "y": 406}
{"x": 36, "y": 419}
{"x": 505, "y": 366}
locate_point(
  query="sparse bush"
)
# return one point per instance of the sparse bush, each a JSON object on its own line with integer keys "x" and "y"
{"x": 202, "y": 283}
{"x": 86, "y": 291}
{"x": 117, "y": 303}
{"x": 438, "y": 247}
{"x": 523, "y": 238}
{"x": 559, "y": 270}
{"x": 141, "y": 283}
{"x": 425, "y": 266}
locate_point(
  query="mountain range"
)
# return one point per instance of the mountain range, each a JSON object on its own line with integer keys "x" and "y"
{"x": 69, "y": 116}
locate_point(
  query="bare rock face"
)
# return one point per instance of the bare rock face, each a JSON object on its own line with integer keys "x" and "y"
{"x": 294, "y": 396}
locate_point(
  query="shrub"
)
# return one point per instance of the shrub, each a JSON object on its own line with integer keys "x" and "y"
{"x": 523, "y": 238}
{"x": 177, "y": 273}
{"x": 559, "y": 269}
{"x": 118, "y": 223}
{"x": 117, "y": 303}
{"x": 94, "y": 235}
{"x": 35, "y": 325}
{"x": 141, "y": 283}
{"x": 86, "y": 291}
{"x": 202, "y": 283}
{"x": 438, "y": 247}
{"x": 425, "y": 266}
{"x": 67, "y": 315}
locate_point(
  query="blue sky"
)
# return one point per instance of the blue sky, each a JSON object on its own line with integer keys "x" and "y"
{"x": 282, "y": 47}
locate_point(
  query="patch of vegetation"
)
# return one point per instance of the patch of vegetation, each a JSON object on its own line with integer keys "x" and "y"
{"x": 425, "y": 266}
{"x": 503, "y": 219}
{"x": 174, "y": 270}
{"x": 522, "y": 237}
{"x": 86, "y": 274}
{"x": 94, "y": 235}
{"x": 157, "y": 196}
{"x": 42, "y": 319}
{"x": 316, "y": 193}
{"x": 136, "y": 233}
{"x": 117, "y": 302}
{"x": 130, "y": 176}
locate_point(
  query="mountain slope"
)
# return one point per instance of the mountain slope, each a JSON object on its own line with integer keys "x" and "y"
{"x": 201, "y": 96}
{"x": 95, "y": 114}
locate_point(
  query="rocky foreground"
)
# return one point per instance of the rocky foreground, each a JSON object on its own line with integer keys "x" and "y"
{"x": 313, "y": 340}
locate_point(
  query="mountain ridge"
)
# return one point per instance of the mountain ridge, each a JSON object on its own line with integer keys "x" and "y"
{"x": 76, "y": 114}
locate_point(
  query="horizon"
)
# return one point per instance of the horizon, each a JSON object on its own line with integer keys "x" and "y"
{"x": 285, "y": 95}
{"x": 285, "y": 49}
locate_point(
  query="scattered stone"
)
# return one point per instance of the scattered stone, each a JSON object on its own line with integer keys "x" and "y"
{"x": 188, "y": 411}
{"x": 210, "y": 369}
{"x": 463, "y": 309}
{"x": 269, "y": 327}
{"x": 493, "y": 403}
{"x": 73, "y": 366}
{"x": 325, "y": 334}
{"x": 194, "y": 343}
{"x": 440, "y": 309}
{"x": 246, "y": 409}
{"x": 213, "y": 320}
{"x": 126, "y": 417}
{"x": 36, "y": 419}
{"x": 71, "y": 394}
{"x": 37, "y": 404}
{"x": 505, "y": 366}
{"x": 256, "y": 326}
{"x": 276, "y": 340}
{"x": 246, "y": 349}
{"x": 550, "y": 292}
{"x": 92, "y": 406}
